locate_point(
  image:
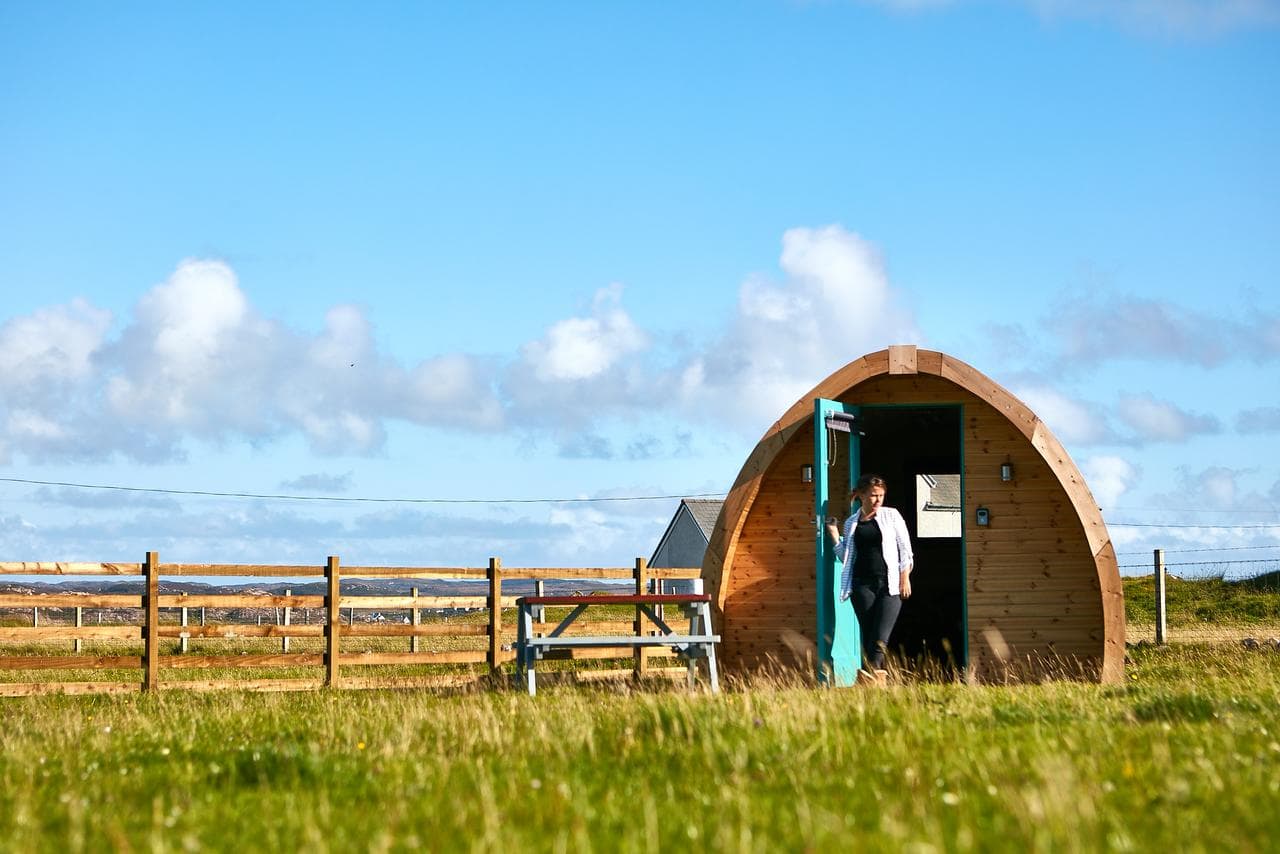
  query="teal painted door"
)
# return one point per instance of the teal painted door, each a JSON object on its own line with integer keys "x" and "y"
{"x": 835, "y": 469}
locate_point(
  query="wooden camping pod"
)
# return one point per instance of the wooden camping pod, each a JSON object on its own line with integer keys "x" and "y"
{"x": 1041, "y": 588}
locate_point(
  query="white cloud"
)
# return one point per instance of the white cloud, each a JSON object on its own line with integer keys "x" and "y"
{"x": 197, "y": 360}
{"x": 26, "y": 425}
{"x": 320, "y": 482}
{"x": 1090, "y": 332}
{"x": 583, "y": 369}
{"x": 1081, "y": 333}
{"x": 1073, "y": 421}
{"x": 453, "y": 390}
{"x": 1265, "y": 419}
{"x": 1159, "y": 420}
{"x": 192, "y": 317}
{"x": 1109, "y": 477}
{"x": 588, "y": 532}
{"x": 579, "y": 348}
{"x": 834, "y": 304}
{"x": 52, "y": 345}
{"x": 1214, "y": 488}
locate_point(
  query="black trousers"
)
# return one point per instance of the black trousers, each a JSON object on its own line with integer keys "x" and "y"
{"x": 877, "y": 612}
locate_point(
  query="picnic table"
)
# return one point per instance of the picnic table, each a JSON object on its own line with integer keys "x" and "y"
{"x": 697, "y": 643}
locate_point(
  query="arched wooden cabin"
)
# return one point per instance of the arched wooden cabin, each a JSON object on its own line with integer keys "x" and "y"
{"x": 1014, "y": 570}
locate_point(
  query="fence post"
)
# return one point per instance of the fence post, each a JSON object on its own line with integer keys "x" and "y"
{"x": 183, "y": 646}
{"x": 495, "y": 613}
{"x": 415, "y": 618}
{"x": 151, "y": 623}
{"x": 35, "y": 618}
{"x": 642, "y": 584}
{"x": 284, "y": 642}
{"x": 333, "y": 626}
{"x": 79, "y": 624}
{"x": 1161, "y": 637}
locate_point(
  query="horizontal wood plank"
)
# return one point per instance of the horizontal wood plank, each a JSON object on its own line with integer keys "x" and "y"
{"x": 249, "y": 570}
{"x": 34, "y": 689}
{"x": 30, "y": 633}
{"x": 69, "y": 662}
{"x": 439, "y": 680}
{"x": 557, "y": 573}
{"x": 69, "y": 600}
{"x": 68, "y": 568}
{"x": 620, "y": 599}
{"x": 302, "y": 659}
{"x": 439, "y": 572}
{"x": 239, "y": 600}
{"x": 585, "y": 653}
{"x": 255, "y": 685}
{"x": 401, "y": 630}
{"x": 443, "y": 657}
{"x": 676, "y": 572}
{"x": 236, "y": 630}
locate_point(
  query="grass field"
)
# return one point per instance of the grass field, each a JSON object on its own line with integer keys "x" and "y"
{"x": 1184, "y": 756}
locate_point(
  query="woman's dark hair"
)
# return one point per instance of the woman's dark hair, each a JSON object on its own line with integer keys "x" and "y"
{"x": 867, "y": 481}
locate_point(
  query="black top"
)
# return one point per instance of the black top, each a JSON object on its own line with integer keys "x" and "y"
{"x": 868, "y": 544}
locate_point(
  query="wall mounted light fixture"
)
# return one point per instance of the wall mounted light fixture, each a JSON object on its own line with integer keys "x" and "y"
{"x": 1006, "y": 471}
{"x": 806, "y": 473}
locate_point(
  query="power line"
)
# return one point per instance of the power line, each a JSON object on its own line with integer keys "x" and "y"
{"x": 602, "y": 499}
{"x": 362, "y": 499}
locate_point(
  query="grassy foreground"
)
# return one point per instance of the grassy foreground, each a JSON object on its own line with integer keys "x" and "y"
{"x": 1184, "y": 756}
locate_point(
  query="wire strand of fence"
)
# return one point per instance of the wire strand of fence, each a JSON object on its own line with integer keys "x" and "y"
{"x": 1275, "y": 560}
{"x": 1212, "y": 549}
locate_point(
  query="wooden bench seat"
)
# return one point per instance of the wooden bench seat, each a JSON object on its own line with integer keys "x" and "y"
{"x": 697, "y": 643}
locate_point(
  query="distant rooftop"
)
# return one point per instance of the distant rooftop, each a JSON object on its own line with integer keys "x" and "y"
{"x": 945, "y": 494}
{"x": 705, "y": 511}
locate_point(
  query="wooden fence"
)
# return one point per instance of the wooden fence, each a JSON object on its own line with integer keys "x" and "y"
{"x": 485, "y": 661}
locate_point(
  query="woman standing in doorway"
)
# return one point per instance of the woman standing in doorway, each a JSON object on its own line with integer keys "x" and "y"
{"x": 876, "y": 552}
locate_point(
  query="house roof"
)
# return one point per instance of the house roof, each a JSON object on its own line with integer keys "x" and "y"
{"x": 945, "y": 493}
{"x": 703, "y": 511}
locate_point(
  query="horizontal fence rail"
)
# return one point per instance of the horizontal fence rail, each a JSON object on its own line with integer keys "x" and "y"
{"x": 149, "y": 633}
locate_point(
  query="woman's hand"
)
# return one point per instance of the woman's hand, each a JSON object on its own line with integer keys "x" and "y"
{"x": 832, "y": 529}
{"x": 904, "y": 584}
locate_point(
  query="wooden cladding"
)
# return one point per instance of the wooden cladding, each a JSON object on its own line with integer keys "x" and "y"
{"x": 1041, "y": 582}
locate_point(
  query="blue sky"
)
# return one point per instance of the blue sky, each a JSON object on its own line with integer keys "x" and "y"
{"x": 532, "y": 250}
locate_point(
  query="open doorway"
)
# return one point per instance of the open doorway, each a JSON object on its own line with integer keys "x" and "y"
{"x": 918, "y": 451}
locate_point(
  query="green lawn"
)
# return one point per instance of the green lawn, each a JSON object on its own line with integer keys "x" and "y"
{"x": 1196, "y": 602}
{"x": 1184, "y": 756}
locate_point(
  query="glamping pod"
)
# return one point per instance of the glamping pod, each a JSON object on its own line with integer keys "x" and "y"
{"x": 1014, "y": 570}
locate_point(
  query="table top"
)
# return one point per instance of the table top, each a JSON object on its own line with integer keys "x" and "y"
{"x": 617, "y": 599}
